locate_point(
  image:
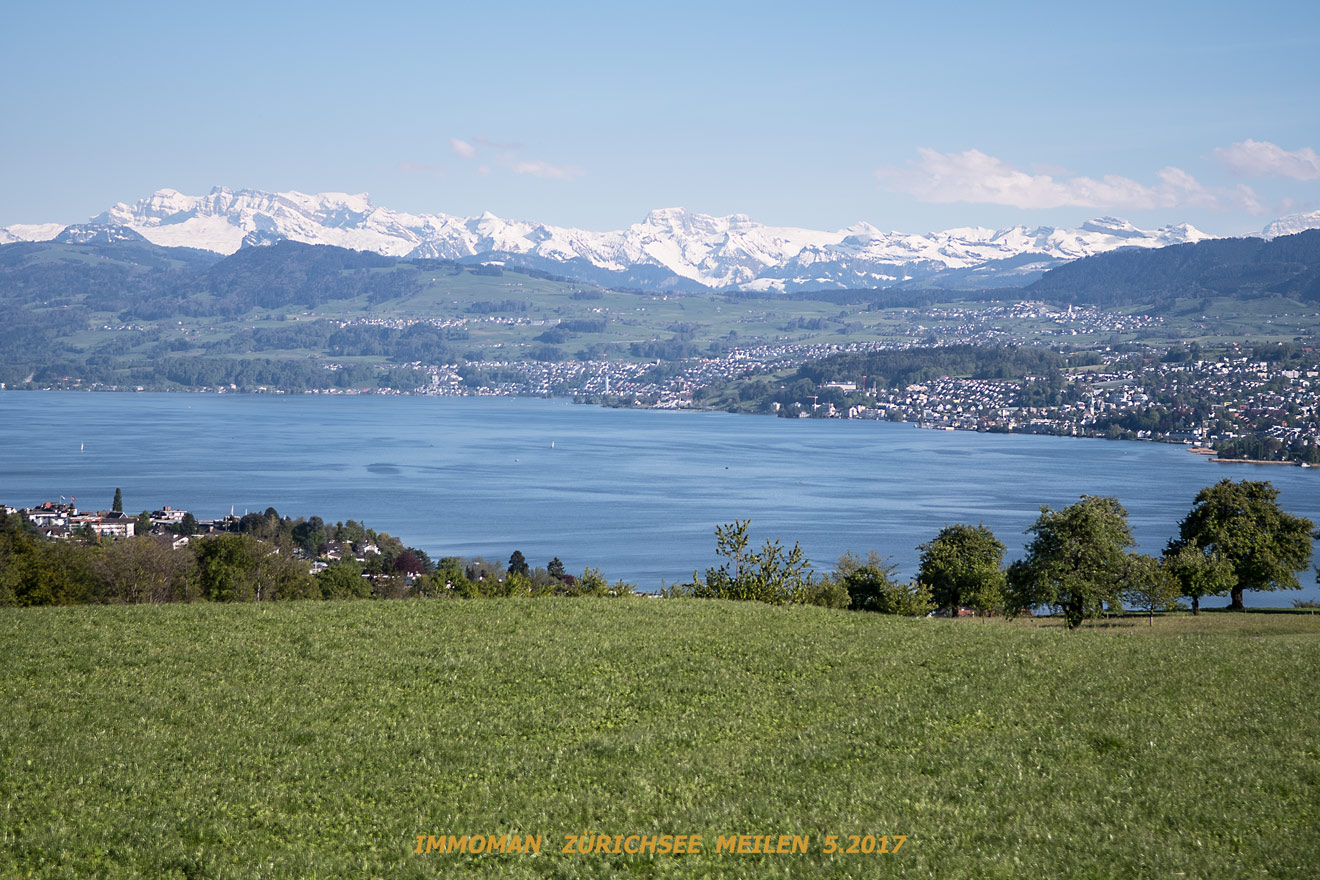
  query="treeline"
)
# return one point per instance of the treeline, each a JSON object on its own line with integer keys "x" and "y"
{"x": 901, "y": 367}
{"x": 898, "y": 368}
{"x": 881, "y": 298}
{"x": 420, "y": 341}
{"x": 1269, "y": 449}
{"x": 245, "y": 375}
{"x": 1079, "y": 562}
{"x": 1286, "y": 266}
{"x": 263, "y": 558}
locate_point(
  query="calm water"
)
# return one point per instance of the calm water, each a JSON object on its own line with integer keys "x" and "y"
{"x": 635, "y": 493}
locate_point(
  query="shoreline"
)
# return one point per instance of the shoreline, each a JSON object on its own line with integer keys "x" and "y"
{"x": 1195, "y": 450}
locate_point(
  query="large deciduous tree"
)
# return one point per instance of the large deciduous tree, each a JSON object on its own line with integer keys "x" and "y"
{"x": 240, "y": 568}
{"x": 142, "y": 570}
{"x": 962, "y": 566}
{"x": 1198, "y": 573}
{"x": 1242, "y": 524}
{"x": 1077, "y": 561}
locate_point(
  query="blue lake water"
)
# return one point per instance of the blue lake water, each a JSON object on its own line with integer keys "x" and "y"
{"x": 635, "y": 493}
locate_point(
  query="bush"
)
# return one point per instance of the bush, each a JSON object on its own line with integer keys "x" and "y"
{"x": 872, "y": 587}
{"x": 770, "y": 575}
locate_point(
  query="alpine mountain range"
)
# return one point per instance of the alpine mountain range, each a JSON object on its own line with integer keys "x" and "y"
{"x": 670, "y": 249}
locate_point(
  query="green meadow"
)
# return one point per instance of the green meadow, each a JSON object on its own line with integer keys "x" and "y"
{"x": 319, "y": 740}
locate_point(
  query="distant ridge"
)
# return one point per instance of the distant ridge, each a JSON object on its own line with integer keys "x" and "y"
{"x": 1286, "y": 265}
{"x": 670, "y": 249}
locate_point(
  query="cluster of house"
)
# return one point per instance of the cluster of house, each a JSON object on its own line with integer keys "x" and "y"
{"x": 333, "y": 551}
{"x": 60, "y": 520}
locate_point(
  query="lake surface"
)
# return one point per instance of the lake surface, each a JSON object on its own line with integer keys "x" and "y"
{"x": 636, "y": 493}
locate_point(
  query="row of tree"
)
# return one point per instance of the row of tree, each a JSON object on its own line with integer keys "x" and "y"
{"x": 1078, "y": 562}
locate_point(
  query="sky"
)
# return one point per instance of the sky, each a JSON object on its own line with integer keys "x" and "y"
{"x": 911, "y": 117}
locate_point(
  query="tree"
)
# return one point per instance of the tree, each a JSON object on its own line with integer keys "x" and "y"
{"x": 484, "y": 572}
{"x": 451, "y": 578}
{"x": 143, "y": 525}
{"x": 518, "y": 564}
{"x": 34, "y": 571}
{"x": 1198, "y": 574}
{"x": 119, "y": 501}
{"x": 592, "y": 583}
{"x": 188, "y": 525}
{"x": 407, "y": 563}
{"x": 961, "y": 566}
{"x": 556, "y": 569}
{"x": 871, "y": 586}
{"x": 1077, "y": 561}
{"x": 351, "y": 532}
{"x": 1150, "y": 586}
{"x": 343, "y": 580}
{"x": 420, "y": 555}
{"x": 516, "y": 583}
{"x": 141, "y": 570}
{"x": 245, "y": 569}
{"x": 768, "y": 575}
{"x": 309, "y": 535}
{"x": 1243, "y": 524}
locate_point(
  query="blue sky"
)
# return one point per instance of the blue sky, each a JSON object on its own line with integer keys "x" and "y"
{"x": 910, "y": 117}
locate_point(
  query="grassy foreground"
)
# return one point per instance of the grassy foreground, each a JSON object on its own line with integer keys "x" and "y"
{"x": 316, "y": 740}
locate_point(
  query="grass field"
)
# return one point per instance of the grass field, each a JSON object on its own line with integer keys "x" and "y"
{"x": 317, "y": 740}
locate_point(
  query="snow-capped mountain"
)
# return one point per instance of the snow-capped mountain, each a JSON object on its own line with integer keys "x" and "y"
{"x": 30, "y": 232}
{"x": 1292, "y": 224}
{"x": 97, "y": 233}
{"x": 670, "y": 248}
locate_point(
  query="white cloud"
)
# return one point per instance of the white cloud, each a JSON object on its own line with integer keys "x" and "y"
{"x": 1264, "y": 159}
{"x": 507, "y": 158}
{"x": 973, "y": 176}
{"x": 537, "y": 168}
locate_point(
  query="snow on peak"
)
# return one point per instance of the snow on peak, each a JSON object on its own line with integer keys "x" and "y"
{"x": 97, "y": 233}
{"x": 30, "y": 232}
{"x": 673, "y": 243}
{"x": 1112, "y": 226}
{"x": 1292, "y": 224}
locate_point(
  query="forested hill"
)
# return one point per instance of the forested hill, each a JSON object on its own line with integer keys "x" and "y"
{"x": 137, "y": 280}
{"x": 1287, "y": 266}
{"x": 140, "y": 281}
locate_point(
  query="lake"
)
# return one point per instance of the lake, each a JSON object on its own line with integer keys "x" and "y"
{"x": 636, "y": 493}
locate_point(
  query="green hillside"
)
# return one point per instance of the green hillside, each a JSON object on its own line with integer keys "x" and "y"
{"x": 321, "y": 739}
{"x": 130, "y": 314}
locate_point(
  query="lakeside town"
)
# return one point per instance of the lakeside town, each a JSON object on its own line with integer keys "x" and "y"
{"x": 1243, "y": 402}
{"x": 1243, "y": 405}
